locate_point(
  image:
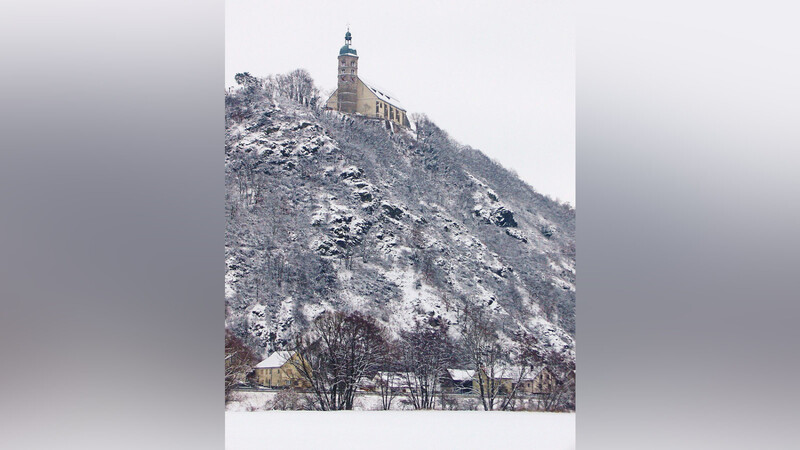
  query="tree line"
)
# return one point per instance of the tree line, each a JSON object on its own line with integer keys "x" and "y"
{"x": 340, "y": 350}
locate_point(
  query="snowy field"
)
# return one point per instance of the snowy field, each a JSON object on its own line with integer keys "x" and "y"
{"x": 416, "y": 430}
{"x": 265, "y": 400}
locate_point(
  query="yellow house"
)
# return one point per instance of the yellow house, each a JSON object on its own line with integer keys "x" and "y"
{"x": 534, "y": 380}
{"x": 280, "y": 370}
{"x": 353, "y": 95}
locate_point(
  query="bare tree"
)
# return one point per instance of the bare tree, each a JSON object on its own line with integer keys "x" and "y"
{"x": 337, "y": 352}
{"x": 426, "y": 353}
{"x": 526, "y": 356}
{"x": 559, "y": 395}
{"x": 239, "y": 361}
{"x": 496, "y": 379}
{"x": 480, "y": 344}
{"x": 386, "y": 379}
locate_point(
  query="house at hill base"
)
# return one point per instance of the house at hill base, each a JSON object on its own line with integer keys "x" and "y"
{"x": 458, "y": 381}
{"x": 527, "y": 380}
{"x": 354, "y": 95}
{"x": 281, "y": 370}
{"x": 397, "y": 382}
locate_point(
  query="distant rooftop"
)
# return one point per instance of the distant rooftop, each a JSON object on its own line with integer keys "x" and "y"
{"x": 275, "y": 360}
{"x": 461, "y": 375}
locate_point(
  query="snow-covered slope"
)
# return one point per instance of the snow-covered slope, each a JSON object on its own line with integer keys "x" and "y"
{"x": 330, "y": 211}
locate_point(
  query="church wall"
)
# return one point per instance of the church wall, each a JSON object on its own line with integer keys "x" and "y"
{"x": 331, "y": 103}
{"x": 366, "y": 100}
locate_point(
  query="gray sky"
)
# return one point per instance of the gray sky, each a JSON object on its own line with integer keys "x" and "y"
{"x": 498, "y": 76}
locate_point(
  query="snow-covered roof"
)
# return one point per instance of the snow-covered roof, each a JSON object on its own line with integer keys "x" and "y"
{"x": 395, "y": 379}
{"x": 460, "y": 374}
{"x": 382, "y": 94}
{"x": 513, "y": 373}
{"x": 275, "y": 360}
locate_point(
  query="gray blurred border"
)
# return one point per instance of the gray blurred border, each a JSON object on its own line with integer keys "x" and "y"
{"x": 687, "y": 169}
{"x": 111, "y": 225}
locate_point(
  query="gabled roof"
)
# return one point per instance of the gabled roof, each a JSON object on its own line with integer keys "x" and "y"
{"x": 382, "y": 94}
{"x": 395, "y": 379}
{"x": 275, "y": 360}
{"x": 461, "y": 374}
{"x": 513, "y": 373}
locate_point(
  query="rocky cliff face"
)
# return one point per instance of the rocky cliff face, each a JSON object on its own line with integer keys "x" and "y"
{"x": 327, "y": 211}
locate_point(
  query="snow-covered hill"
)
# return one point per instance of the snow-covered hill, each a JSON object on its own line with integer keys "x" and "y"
{"x": 331, "y": 211}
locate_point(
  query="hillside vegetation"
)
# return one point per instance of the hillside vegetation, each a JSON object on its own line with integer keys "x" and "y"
{"x": 332, "y": 212}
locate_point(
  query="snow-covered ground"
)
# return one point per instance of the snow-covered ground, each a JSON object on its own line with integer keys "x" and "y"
{"x": 265, "y": 400}
{"x": 416, "y": 430}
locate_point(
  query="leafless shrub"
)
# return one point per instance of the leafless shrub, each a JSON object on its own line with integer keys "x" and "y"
{"x": 449, "y": 402}
{"x": 291, "y": 400}
{"x": 469, "y": 404}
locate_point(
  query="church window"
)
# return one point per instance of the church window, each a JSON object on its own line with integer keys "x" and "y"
{"x": 352, "y": 71}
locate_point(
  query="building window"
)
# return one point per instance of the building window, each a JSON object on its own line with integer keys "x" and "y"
{"x": 353, "y": 63}
{"x": 352, "y": 71}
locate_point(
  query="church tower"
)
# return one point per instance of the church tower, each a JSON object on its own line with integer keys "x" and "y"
{"x": 347, "y": 77}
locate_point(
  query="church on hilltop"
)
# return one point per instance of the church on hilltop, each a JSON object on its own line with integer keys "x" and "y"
{"x": 356, "y": 96}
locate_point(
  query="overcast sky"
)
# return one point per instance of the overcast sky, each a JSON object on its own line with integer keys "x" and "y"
{"x": 498, "y": 76}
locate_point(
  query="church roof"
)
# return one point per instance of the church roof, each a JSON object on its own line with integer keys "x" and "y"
{"x": 383, "y": 95}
